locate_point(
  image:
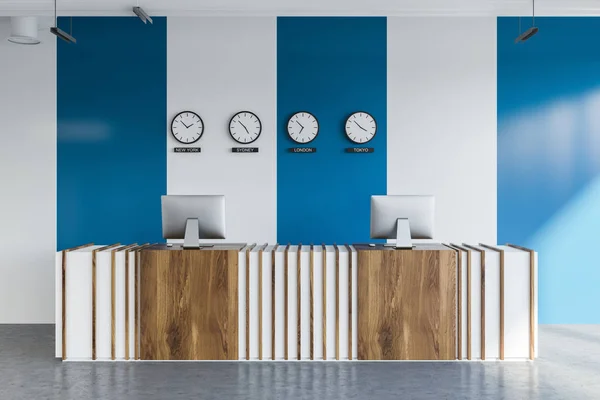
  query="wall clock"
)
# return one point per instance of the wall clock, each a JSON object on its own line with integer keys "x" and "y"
{"x": 303, "y": 127}
{"x": 187, "y": 127}
{"x": 245, "y": 127}
{"x": 361, "y": 127}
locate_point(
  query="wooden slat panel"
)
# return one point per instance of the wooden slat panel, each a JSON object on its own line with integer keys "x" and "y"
{"x": 469, "y": 316}
{"x": 136, "y": 289}
{"x": 260, "y": 297}
{"x": 64, "y": 296}
{"x": 459, "y": 311}
{"x": 312, "y": 306}
{"x": 136, "y": 307}
{"x": 299, "y": 302}
{"x": 501, "y": 295}
{"x": 482, "y": 254}
{"x": 285, "y": 295}
{"x": 127, "y": 301}
{"x": 468, "y": 305}
{"x": 531, "y": 298}
{"x": 248, "y": 250}
{"x": 127, "y": 327}
{"x": 391, "y": 285}
{"x": 273, "y": 301}
{"x": 260, "y": 301}
{"x": 483, "y": 305}
{"x": 136, "y": 247}
{"x": 126, "y": 304}
{"x": 337, "y": 302}
{"x": 324, "y": 301}
{"x": 113, "y": 285}
{"x": 248, "y": 303}
{"x": 112, "y": 304}
{"x": 189, "y": 304}
{"x": 64, "y": 304}
{"x": 83, "y": 246}
{"x": 232, "y": 331}
{"x": 349, "y": 302}
{"x": 459, "y": 301}
{"x": 126, "y": 247}
{"x": 94, "y": 288}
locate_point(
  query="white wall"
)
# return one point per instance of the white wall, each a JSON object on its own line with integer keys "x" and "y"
{"x": 217, "y": 67}
{"x": 28, "y": 179}
{"x": 442, "y": 120}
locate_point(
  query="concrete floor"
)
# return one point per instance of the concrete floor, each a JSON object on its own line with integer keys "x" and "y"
{"x": 568, "y": 369}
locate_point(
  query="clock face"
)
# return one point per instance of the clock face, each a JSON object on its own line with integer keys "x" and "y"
{"x": 361, "y": 127}
{"x": 245, "y": 127}
{"x": 187, "y": 127}
{"x": 303, "y": 127}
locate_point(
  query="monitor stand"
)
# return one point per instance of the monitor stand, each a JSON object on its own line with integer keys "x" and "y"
{"x": 191, "y": 239}
{"x": 403, "y": 239}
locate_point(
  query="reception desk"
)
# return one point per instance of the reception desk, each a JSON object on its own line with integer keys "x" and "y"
{"x": 189, "y": 303}
{"x": 296, "y": 302}
{"x": 407, "y": 303}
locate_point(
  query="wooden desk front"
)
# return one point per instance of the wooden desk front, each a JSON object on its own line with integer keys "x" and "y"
{"x": 189, "y": 303}
{"x": 406, "y": 303}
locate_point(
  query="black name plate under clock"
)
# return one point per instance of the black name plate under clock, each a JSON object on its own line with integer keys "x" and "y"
{"x": 360, "y": 150}
{"x": 187, "y": 149}
{"x": 302, "y": 150}
{"x": 244, "y": 149}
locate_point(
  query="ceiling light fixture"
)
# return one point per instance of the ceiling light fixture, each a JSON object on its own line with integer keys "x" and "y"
{"x": 139, "y": 11}
{"x": 529, "y": 32}
{"x": 67, "y": 37}
{"x": 24, "y": 30}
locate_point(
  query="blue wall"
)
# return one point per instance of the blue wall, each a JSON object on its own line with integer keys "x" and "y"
{"x": 549, "y": 159}
{"x": 111, "y": 112}
{"x": 330, "y": 67}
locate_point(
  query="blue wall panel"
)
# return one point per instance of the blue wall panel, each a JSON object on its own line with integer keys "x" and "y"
{"x": 111, "y": 151}
{"x": 330, "y": 67}
{"x": 549, "y": 159}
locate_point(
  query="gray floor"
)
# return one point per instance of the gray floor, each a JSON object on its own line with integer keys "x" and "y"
{"x": 568, "y": 369}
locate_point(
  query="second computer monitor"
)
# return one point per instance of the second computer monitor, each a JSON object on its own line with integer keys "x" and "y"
{"x": 402, "y": 218}
{"x": 193, "y": 218}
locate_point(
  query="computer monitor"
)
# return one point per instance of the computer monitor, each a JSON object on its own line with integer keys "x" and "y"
{"x": 192, "y": 218}
{"x": 402, "y": 218}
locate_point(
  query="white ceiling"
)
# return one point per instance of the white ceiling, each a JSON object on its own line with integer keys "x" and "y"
{"x": 302, "y": 7}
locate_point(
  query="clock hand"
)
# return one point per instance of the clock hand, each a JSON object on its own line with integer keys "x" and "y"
{"x": 300, "y": 124}
{"x": 360, "y": 126}
{"x": 186, "y": 127}
{"x": 244, "y": 127}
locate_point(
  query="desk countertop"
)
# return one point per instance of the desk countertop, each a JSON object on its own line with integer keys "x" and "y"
{"x": 418, "y": 247}
{"x": 358, "y": 247}
{"x": 216, "y": 246}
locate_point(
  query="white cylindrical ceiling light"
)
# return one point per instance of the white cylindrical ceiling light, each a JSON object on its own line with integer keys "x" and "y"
{"x": 24, "y": 30}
